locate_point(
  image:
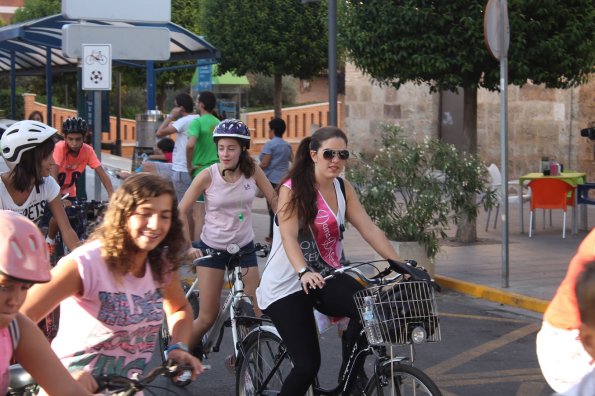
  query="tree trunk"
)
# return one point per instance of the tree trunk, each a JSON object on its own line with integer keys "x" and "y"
{"x": 278, "y": 95}
{"x": 467, "y": 229}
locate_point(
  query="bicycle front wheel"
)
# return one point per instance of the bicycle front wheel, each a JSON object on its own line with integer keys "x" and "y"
{"x": 405, "y": 381}
{"x": 262, "y": 366}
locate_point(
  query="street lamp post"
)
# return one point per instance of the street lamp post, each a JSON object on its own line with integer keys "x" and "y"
{"x": 332, "y": 60}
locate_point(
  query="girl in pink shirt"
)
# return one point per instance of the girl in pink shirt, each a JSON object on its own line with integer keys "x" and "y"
{"x": 115, "y": 289}
{"x": 307, "y": 239}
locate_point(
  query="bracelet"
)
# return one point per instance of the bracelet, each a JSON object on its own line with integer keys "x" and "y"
{"x": 303, "y": 271}
{"x": 178, "y": 345}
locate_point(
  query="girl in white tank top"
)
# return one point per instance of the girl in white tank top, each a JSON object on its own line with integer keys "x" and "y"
{"x": 229, "y": 188}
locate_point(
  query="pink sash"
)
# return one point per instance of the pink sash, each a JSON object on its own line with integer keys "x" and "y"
{"x": 326, "y": 234}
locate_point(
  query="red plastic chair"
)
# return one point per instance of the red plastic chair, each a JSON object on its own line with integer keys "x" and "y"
{"x": 550, "y": 194}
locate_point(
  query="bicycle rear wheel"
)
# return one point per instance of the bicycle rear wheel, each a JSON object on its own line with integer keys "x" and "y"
{"x": 406, "y": 380}
{"x": 262, "y": 351}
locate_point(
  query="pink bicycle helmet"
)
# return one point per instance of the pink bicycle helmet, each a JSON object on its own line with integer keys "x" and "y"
{"x": 232, "y": 128}
{"x": 23, "y": 250}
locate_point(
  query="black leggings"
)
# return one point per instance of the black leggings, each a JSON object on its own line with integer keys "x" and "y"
{"x": 294, "y": 318}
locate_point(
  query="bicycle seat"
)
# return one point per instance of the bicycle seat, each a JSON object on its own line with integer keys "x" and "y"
{"x": 19, "y": 377}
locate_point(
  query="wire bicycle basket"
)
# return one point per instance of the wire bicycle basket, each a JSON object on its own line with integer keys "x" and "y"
{"x": 399, "y": 313}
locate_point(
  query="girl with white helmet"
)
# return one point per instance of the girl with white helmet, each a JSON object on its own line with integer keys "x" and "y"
{"x": 28, "y": 188}
{"x": 229, "y": 188}
{"x": 24, "y": 261}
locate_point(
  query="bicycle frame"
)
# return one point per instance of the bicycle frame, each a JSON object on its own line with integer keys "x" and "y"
{"x": 228, "y": 312}
{"x": 383, "y": 353}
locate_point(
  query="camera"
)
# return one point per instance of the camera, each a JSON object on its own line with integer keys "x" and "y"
{"x": 588, "y": 132}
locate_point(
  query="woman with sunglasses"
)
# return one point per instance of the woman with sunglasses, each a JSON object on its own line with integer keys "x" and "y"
{"x": 307, "y": 238}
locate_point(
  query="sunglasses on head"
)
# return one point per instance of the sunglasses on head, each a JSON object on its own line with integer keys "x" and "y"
{"x": 329, "y": 154}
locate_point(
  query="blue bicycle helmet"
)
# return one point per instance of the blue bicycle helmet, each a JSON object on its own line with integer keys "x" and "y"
{"x": 232, "y": 128}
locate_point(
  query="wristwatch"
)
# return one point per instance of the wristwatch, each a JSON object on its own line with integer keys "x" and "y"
{"x": 302, "y": 272}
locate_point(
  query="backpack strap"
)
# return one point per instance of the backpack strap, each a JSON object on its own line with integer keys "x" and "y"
{"x": 15, "y": 334}
{"x": 342, "y": 185}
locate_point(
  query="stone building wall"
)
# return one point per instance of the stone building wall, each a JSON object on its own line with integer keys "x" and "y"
{"x": 540, "y": 121}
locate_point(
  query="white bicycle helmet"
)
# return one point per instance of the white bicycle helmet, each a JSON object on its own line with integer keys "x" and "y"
{"x": 23, "y": 250}
{"x": 232, "y": 128}
{"x": 22, "y": 136}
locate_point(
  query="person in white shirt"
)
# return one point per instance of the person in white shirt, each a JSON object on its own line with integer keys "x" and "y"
{"x": 177, "y": 122}
{"x": 585, "y": 296}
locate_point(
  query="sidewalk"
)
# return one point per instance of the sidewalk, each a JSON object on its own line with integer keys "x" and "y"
{"x": 537, "y": 265}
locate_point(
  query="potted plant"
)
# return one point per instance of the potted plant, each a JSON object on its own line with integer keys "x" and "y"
{"x": 414, "y": 190}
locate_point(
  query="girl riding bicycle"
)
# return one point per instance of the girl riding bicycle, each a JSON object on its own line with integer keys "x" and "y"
{"x": 307, "y": 239}
{"x": 229, "y": 188}
{"x": 115, "y": 288}
{"x": 28, "y": 188}
{"x": 24, "y": 261}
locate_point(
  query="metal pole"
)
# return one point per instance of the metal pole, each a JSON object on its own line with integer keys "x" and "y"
{"x": 97, "y": 138}
{"x": 13, "y": 87}
{"x": 332, "y": 61}
{"x": 504, "y": 139}
{"x": 570, "y": 114}
{"x": 150, "y": 85}
{"x": 118, "y": 113}
{"x": 48, "y": 84}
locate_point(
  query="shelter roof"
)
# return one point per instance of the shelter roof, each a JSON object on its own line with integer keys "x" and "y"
{"x": 29, "y": 41}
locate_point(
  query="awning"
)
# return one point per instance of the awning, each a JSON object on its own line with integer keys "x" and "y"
{"x": 34, "y": 43}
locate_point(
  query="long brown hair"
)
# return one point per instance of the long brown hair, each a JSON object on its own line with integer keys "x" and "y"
{"x": 28, "y": 171}
{"x": 118, "y": 247}
{"x": 303, "y": 181}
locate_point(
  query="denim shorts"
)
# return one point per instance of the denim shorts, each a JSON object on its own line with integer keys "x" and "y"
{"x": 221, "y": 262}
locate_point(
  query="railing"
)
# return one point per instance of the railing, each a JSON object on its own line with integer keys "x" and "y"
{"x": 301, "y": 122}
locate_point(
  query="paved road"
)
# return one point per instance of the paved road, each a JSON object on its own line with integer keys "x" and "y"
{"x": 486, "y": 349}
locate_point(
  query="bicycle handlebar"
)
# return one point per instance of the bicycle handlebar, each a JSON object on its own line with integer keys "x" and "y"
{"x": 115, "y": 382}
{"x": 406, "y": 268}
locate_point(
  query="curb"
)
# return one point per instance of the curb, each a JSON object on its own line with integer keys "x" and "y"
{"x": 493, "y": 294}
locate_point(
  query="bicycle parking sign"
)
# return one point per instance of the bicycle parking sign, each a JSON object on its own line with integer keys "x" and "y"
{"x": 97, "y": 67}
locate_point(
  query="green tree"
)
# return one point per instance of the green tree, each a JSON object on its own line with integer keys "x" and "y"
{"x": 33, "y": 9}
{"x": 270, "y": 37}
{"x": 441, "y": 44}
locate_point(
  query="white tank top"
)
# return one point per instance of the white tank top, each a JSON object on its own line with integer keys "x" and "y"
{"x": 228, "y": 207}
{"x": 279, "y": 279}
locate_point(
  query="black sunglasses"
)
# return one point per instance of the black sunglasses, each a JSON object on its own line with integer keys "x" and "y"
{"x": 329, "y": 154}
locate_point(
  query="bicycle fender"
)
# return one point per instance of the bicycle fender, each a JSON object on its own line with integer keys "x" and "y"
{"x": 394, "y": 360}
{"x": 269, "y": 328}
{"x": 19, "y": 378}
